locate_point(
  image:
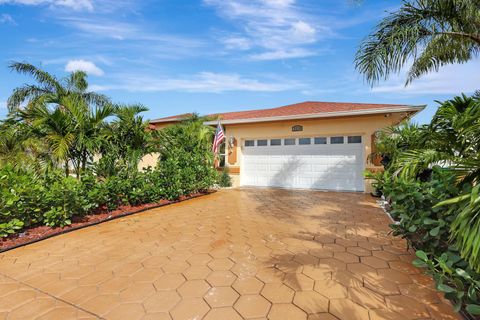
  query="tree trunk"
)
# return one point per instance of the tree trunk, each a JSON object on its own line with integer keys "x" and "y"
{"x": 66, "y": 169}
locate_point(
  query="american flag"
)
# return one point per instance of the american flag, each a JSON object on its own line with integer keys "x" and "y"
{"x": 219, "y": 136}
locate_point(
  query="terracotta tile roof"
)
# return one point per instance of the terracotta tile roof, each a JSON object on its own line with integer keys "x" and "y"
{"x": 298, "y": 109}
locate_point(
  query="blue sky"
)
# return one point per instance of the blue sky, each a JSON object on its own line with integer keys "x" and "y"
{"x": 207, "y": 56}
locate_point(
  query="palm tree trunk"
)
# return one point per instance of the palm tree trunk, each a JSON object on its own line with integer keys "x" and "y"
{"x": 66, "y": 169}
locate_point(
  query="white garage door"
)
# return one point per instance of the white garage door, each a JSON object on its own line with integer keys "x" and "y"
{"x": 329, "y": 163}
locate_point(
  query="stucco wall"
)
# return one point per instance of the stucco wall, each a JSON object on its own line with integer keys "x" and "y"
{"x": 359, "y": 125}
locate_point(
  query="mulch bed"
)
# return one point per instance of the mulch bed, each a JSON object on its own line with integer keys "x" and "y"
{"x": 38, "y": 233}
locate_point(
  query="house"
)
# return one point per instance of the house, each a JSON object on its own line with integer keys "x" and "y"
{"x": 309, "y": 145}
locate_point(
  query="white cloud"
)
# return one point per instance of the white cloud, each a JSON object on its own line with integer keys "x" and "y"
{"x": 239, "y": 43}
{"x": 83, "y": 65}
{"x": 3, "y": 105}
{"x": 451, "y": 79}
{"x": 72, "y": 4}
{"x": 283, "y": 54}
{"x": 209, "y": 82}
{"x": 273, "y": 29}
{"x": 6, "y": 18}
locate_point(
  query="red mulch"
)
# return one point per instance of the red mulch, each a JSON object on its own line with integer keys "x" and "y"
{"x": 37, "y": 233}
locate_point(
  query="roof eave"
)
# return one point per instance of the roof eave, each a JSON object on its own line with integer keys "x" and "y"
{"x": 414, "y": 109}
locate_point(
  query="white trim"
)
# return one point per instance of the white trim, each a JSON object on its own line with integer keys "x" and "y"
{"x": 320, "y": 115}
{"x": 172, "y": 119}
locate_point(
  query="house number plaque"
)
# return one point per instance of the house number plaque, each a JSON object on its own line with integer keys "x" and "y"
{"x": 297, "y": 128}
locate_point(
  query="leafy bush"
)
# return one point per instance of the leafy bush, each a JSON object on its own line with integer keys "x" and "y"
{"x": 432, "y": 186}
{"x": 224, "y": 179}
{"x": 454, "y": 278}
{"x": 412, "y": 205}
{"x": 21, "y": 200}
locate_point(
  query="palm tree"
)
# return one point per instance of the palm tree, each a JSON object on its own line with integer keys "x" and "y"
{"x": 49, "y": 89}
{"x": 127, "y": 140}
{"x": 453, "y": 141}
{"x": 63, "y": 114}
{"x": 427, "y": 33}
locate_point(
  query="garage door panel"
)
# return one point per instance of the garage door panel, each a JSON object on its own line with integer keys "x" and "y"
{"x": 331, "y": 167}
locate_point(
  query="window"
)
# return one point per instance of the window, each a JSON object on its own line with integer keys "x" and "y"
{"x": 354, "y": 139}
{"x": 262, "y": 143}
{"x": 249, "y": 143}
{"x": 276, "y": 142}
{"x": 320, "y": 140}
{"x": 336, "y": 140}
{"x": 221, "y": 155}
{"x": 289, "y": 142}
{"x": 304, "y": 141}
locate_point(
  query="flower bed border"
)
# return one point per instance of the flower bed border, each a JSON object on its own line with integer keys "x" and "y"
{"x": 53, "y": 232}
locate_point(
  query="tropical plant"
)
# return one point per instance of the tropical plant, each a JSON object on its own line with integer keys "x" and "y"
{"x": 453, "y": 141}
{"x": 426, "y": 33}
{"x": 49, "y": 89}
{"x": 61, "y": 115}
{"x": 127, "y": 140}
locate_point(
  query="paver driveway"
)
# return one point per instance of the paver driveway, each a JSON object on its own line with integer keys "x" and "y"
{"x": 250, "y": 254}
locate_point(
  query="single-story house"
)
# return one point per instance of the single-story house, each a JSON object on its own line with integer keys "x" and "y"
{"x": 308, "y": 145}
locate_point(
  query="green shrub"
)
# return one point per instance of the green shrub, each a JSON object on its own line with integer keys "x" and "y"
{"x": 22, "y": 200}
{"x": 454, "y": 278}
{"x": 412, "y": 205}
{"x": 224, "y": 179}
{"x": 65, "y": 197}
{"x": 427, "y": 229}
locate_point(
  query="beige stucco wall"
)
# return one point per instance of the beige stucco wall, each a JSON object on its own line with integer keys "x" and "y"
{"x": 150, "y": 160}
{"x": 359, "y": 125}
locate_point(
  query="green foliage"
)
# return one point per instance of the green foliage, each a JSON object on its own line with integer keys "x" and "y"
{"x": 432, "y": 186}
{"x": 431, "y": 33}
{"x": 224, "y": 179}
{"x": 454, "y": 278}
{"x": 186, "y": 162}
{"x": 21, "y": 199}
{"x": 412, "y": 205}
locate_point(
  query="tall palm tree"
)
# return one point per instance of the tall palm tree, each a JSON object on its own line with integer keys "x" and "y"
{"x": 427, "y": 33}
{"x": 49, "y": 89}
{"x": 63, "y": 114}
{"x": 453, "y": 140}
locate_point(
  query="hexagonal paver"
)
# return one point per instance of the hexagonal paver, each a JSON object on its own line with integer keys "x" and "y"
{"x": 199, "y": 259}
{"x": 345, "y": 257}
{"x": 395, "y": 276}
{"x": 161, "y": 302}
{"x": 311, "y": 302}
{"x": 169, "y": 281}
{"x": 193, "y": 288}
{"x": 248, "y": 285}
{"x": 317, "y": 273}
{"x": 374, "y": 262}
{"x": 190, "y": 308}
{"x": 366, "y": 298}
{"x": 101, "y": 304}
{"x": 277, "y": 293}
{"x": 286, "y": 311}
{"x": 175, "y": 267}
{"x": 223, "y": 314}
{"x": 298, "y": 281}
{"x": 218, "y": 297}
{"x": 270, "y": 275}
{"x": 126, "y": 311}
{"x": 221, "y": 278}
{"x": 227, "y": 256}
{"x": 220, "y": 264}
{"x": 197, "y": 272}
{"x": 410, "y": 308}
{"x": 330, "y": 289}
{"x": 252, "y": 306}
{"x": 345, "y": 309}
{"x": 137, "y": 292}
